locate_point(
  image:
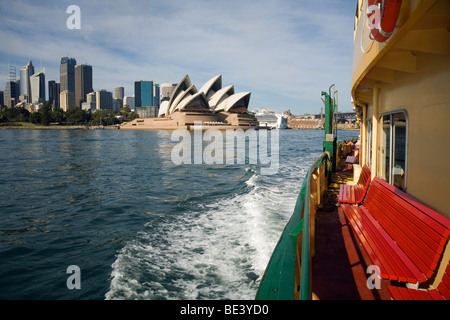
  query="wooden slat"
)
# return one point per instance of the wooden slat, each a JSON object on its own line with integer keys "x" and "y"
{"x": 435, "y": 295}
{"x": 395, "y": 293}
{"x": 354, "y": 194}
{"x": 433, "y": 218}
{"x": 408, "y": 226}
{"x": 405, "y": 269}
{"x": 349, "y": 213}
{"x": 444, "y": 286}
{"x": 410, "y": 241}
{"x": 413, "y": 217}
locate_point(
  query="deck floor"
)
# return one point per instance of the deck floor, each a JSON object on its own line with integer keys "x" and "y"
{"x": 339, "y": 265}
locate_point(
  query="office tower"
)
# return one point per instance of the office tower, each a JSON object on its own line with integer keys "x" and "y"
{"x": 118, "y": 98}
{"x": 53, "y": 94}
{"x": 156, "y": 95}
{"x": 129, "y": 101}
{"x": 143, "y": 93}
{"x": 11, "y": 93}
{"x": 118, "y": 92}
{"x": 91, "y": 97}
{"x": 1, "y": 100}
{"x": 25, "y": 87}
{"x": 67, "y": 74}
{"x": 91, "y": 102}
{"x": 66, "y": 99}
{"x": 83, "y": 83}
{"x": 104, "y": 100}
{"x": 37, "y": 85}
{"x": 166, "y": 91}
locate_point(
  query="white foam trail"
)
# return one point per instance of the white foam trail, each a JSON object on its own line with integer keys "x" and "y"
{"x": 217, "y": 250}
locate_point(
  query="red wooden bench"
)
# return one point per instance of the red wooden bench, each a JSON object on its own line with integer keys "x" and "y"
{"x": 355, "y": 194}
{"x": 441, "y": 292}
{"x": 403, "y": 237}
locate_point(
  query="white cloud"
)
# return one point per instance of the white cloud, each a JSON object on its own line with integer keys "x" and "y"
{"x": 284, "y": 52}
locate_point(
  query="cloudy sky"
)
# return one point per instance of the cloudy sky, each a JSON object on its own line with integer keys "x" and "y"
{"x": 285, "y": 52}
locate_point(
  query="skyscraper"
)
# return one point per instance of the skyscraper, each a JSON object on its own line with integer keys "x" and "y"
{"x": 37, "y": 84}
{"x": 83, "y": 83}
{"x": 118, "y": 97}
{"x": 11, "y": 88}
{"x": 67, "y": 74}
{"x": 156, "y": 95}
{"x": 143, "y": 93}
{"x": 104, "y": 100}
{"x": 53, "y": 93}
{"x": 118, "y": 92}
{"x": 25, "y": 85}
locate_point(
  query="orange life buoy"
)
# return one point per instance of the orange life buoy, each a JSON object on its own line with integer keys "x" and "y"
{"x": 382, "y": 15}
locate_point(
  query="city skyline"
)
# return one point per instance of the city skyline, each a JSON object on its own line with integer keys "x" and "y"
{"x": 284, "y": 53}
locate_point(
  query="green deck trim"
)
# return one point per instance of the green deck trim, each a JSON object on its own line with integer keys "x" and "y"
{"x": 278, "y": 280}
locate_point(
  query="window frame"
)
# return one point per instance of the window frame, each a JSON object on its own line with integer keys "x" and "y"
{"x": 390, "y": 178}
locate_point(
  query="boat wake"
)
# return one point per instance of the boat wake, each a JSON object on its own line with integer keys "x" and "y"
{"x": 214, "y": 248}
{"x": 215, "y": 245}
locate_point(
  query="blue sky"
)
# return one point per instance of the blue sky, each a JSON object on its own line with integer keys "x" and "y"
{"x": 285, "y": 52}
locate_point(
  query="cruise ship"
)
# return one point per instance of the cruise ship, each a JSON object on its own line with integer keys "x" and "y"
{"x": 270, "y": 119}
{"x": 372, "y": 220}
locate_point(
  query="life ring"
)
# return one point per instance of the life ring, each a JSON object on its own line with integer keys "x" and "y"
{"x": 382, "y": 17}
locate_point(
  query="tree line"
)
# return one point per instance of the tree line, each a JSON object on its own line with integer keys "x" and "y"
{"x": 74, "y": 116}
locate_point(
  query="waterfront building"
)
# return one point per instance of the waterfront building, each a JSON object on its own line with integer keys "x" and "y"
{"x": 11, "y": 93}
{"x": 147, "y": 112}
{"x": 37, "y": 82}
{"x": 91, "y": 102}
{"x": 143, "y": 93}
{"x": 166, "y": 90}
{"x": 104, "y": 100}
{"x": 91, "y": 97}
{"x": 156, "y": 95}
{"x": 1, "y": 100}
{"x": 53, "y": 93}
{"x": 129, "y": 101}
{"x": 118, "y": 98}
{"x": 67, "y": 74}
{"x": 88, "y": 106}
{"x": 212, "y": 105}
{"x": 66, "y": 99}
{"x": 119, "y": 92}
{"x": 25, "y": 86}
{"x": 83, "y": 83}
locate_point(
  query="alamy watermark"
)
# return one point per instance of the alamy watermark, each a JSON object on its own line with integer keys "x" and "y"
{"x": 74, "y": 280}
{"x": 374, "y": 280}
{"x": 74, "y": 20}
{"x": 231, "y": 146}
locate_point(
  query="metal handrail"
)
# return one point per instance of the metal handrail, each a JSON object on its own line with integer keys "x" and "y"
{"x": 278, "y": 283}
{"x": 305, "y": 270}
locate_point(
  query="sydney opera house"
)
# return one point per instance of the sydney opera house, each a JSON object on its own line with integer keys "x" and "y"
{"x": 212, "y": 105}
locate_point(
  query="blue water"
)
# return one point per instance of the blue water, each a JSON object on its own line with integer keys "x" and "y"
{"x": 138, "y": 226}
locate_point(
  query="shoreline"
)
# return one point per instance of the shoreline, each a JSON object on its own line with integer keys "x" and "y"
{"x": 58, "y": 127}
{"x": 117, "y": 128}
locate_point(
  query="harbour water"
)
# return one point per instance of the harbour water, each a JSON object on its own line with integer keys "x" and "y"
{"x": 113, "y": 203}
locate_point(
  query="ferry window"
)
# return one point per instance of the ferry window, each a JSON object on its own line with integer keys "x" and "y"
{"x": 369, "y": 143}
{"x": 393, "y": 135}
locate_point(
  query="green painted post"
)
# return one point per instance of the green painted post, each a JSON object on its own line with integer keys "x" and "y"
{"x": 330, "y": 141}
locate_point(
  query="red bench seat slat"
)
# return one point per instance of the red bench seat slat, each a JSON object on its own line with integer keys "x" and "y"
{"x": 442, "y": 292}
{"x": 402, "y": 236}
{"x": 355, "y": 194}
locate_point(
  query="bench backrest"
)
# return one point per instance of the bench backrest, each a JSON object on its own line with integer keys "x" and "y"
{"x": 418, "y": 230}
{"x": 363, "y": 183}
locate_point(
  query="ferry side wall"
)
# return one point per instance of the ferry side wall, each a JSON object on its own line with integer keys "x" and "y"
{"x": 425, "y": 96}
